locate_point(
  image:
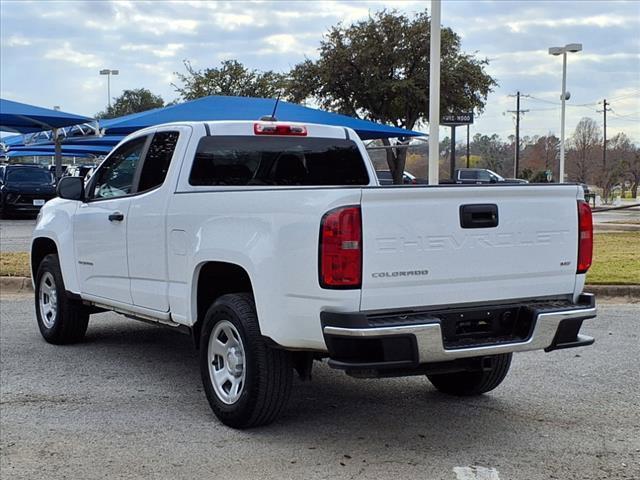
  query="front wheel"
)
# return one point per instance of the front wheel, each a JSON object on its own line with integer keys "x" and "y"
{"x": 60, "y": 319}
{"x": 473, "y": 383}
{"x": 247, "y": 382}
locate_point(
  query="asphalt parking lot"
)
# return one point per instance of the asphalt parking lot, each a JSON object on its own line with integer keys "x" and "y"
{"x": 128, "y": 403}
{"x": 15, "y": 234}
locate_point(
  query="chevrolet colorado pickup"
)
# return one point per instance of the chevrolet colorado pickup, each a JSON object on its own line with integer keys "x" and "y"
{"x": 273, "y": 245}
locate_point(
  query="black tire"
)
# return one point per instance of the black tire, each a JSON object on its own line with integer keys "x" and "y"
{"x": 268, "y": 371}
{"x": 69, "y": 323}
{"x": 473, "y": 383}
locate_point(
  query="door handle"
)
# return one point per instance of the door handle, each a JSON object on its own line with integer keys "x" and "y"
{"x": 479, "y": 215}
{"x": 116, "y": 217}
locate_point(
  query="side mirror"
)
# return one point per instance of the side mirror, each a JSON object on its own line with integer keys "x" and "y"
{"x": 71, "y": 188}
{"x": 493, "y": 179}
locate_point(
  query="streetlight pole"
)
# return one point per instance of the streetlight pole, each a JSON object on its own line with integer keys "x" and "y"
{"x": 573, "y": 48}
{"x": 434, "y": 94}
{"x": 108, "y": 72}
{"x": 563, "y": 114}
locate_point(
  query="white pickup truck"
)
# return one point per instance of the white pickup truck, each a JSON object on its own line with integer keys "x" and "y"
{"x": 273, "y": 245}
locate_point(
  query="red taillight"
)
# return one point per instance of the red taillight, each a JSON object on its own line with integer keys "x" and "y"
{"x": 341, "y": 248}
{"x": 278, "y": 129}
{"x": 585, "y": 236}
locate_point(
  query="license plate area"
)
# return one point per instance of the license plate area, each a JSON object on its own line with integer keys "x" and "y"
{"x": 38, "y": 202}
{"x": 491, "y": 326}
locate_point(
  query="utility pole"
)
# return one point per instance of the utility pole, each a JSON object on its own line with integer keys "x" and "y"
{"x": 517, "y": 112}
{"x": 605, "y": 109}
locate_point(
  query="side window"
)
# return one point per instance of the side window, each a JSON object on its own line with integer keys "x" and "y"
{"x": 115, "y": 178}
{"x": 484, "y": 176}
{"x": 467, "y": 175}
{"x": 157, "y": 161}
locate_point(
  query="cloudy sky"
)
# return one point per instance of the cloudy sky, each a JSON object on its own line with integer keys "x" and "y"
{"x": 51, "y": 51}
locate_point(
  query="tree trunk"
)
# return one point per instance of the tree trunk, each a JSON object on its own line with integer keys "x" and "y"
{"x": 391, "y": 158}
{"x": 396, "y": 159}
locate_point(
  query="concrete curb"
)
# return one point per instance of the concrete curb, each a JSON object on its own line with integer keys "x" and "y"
{"x": 15, "y": 284}
{"x": 631, "y": 292}
{"x": 615, "y": 227}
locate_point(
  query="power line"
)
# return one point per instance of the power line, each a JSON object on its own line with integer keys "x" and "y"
{"x": 626, "y": 95}
{"x": 625, "y": 115}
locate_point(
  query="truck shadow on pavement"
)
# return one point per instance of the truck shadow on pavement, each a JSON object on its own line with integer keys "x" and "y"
{"x": 386, "y": 412}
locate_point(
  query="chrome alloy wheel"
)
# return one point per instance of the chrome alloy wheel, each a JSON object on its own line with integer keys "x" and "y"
{"x": 48, "y": 300}
{"x": 226, "y": 362}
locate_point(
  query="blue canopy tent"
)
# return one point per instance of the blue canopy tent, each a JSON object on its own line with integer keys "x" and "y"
{"x": 247, "y": 108}
{"x": 22, "y": 118}
{"x": 43, "y": 153}
{"x": 10, "y": 140}
{"x": 67, "y": 150}
{"x": 108, "y": 140}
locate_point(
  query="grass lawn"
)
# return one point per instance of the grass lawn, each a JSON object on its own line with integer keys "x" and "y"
{"x": 616, "y": 260}
{"x": 14, "y": 264}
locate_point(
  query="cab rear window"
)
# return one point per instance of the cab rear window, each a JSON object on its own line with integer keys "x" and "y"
{"x": 279, "y": 161}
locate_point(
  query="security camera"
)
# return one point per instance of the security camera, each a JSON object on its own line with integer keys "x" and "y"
{"x": 567, "y": 95}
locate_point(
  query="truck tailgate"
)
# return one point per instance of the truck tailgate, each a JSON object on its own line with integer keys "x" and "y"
{"x": 416, "y": 252}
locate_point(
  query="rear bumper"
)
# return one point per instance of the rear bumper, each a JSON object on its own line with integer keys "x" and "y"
{"x": 379, "y": 341}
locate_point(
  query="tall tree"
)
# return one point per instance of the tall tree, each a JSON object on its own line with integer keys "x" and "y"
{"x": 231, "y": 78}
{"x": 585, "y": 143}
{"x": 632, "y": 171}
{"x": 541, "y": 155}
{"x": 619, "y": 163}
{"x": 132, "y": 101}
{"x": 378, "y": 69}
{"x": 494, "y": 153}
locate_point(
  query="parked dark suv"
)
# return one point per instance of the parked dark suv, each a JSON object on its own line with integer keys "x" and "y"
{"x": 25, "y": 188}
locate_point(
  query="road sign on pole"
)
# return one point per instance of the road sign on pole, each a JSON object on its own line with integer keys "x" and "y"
{"x": 453, "y": 120}
{"x": 457, "y": 119}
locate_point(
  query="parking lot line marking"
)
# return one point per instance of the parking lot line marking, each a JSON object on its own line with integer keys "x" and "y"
{"x": 476, "y": 473}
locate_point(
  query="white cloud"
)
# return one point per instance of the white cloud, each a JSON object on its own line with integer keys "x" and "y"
{"x": 233, "y": 21}
{"x": 286, "y": 43}
{"x": 162, "y": 51}
{"x": 17, "y": 41}
{"x": 159, "y": 71}
{"x": 600, "y": 21}
{"x": 66, "y": 53}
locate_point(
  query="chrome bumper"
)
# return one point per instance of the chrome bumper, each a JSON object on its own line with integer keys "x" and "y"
{"x": 429, "y": 339}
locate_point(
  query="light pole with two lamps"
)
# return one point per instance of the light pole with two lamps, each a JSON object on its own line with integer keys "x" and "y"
{"x": 573, "y": 48}
{"x": 108, "y": 72}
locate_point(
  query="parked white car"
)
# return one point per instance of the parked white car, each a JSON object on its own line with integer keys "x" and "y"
{"x": 273, "y": 245}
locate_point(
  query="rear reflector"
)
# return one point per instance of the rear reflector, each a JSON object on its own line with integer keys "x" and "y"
{"x": 278, "y": 129}
{"x": 340, "y": 259}
{"x": 585, "y": 236}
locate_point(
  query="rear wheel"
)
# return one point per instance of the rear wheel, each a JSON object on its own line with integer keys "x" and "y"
{"x": 60, "y": 319}
{"x": 246, "y": 381}
{"x": 473, "y": 383}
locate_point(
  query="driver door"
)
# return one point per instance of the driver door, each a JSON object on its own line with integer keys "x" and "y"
{"x": 100, "y": 225}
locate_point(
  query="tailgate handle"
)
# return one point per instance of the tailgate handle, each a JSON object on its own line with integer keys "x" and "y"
{"x": 482, "y": 215}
